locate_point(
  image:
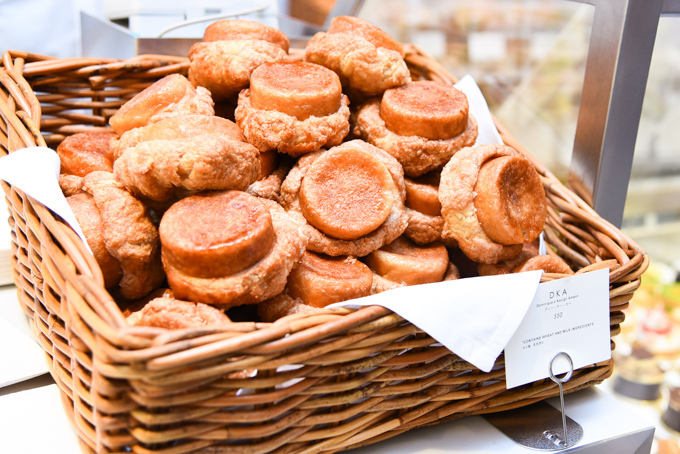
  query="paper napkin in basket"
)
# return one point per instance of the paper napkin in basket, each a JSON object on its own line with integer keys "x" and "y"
{"x": 473, "y": 317}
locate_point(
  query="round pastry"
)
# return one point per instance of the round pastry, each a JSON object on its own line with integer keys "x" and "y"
{"x": 170, "y": 313}
{"x": 280, "y": 306}
{"x": 491, "y": 212}
{"x": 362, "y": 55}
{"x": 349, "y": 199}
{"x": 170, "y": 96}
{"x": 230, "y": 51}
{"x": 240, "y": 29}
{"x": 179, "y": 127}
{"x": 425, "y": 222}
{"x": 85, "y": 152}
{"x": 402, "y": 261}
{"x": 422, "y": 124}
{"x": 128, "y": 233}
{"x": 90, "y": 221}
{"x": 294, "y": 107}
{"x": 320, "y": 280}
{"x": 161, "y": 170}
{"x": 228, "y": 248}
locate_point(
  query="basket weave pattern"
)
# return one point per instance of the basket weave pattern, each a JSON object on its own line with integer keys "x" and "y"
{"x": 325, "y": 382}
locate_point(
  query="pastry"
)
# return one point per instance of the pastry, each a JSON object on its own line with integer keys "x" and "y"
{"x": 90, "y": 222}
{"x": 349, "y": 200}
{"x": 170, "y": 313}
{"x": 422, "y": 124}
{"x": 178, "y": 127}
{"x": 319, "y": 280}
{"x": 162, "y": 170}
{"x": 280, "y": 306}
{"x": 85, "y": 152}
{"x": 293, "y": 107}
{"x": 366, "y": 58}
{"x": 170, "y": 96}
{"x": 246, "y": 260}
{"x": 404, "y": 262}
{"x": 492, "y": 201}
{"x": 425, "y": 222}
{"x": 230, "y": 51}
{"x": 128, "y": 234}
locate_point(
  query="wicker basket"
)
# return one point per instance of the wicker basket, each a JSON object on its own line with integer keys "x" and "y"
{"x": 320, "y": 383}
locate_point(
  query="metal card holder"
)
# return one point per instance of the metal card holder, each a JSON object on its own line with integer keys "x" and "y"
{"x": 540, "y": 426}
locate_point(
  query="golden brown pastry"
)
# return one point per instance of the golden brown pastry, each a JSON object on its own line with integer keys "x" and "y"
{"x": 170, "y": 96}
{"x": 85, "y": 152}
{"x": 319, "y": 280}
{"x": 170, "y": 313}
{"x": 233, "y": 29}
{"x": 178, "y": 127}
{"x": 280, "y": 306}
{"x": 294, "y": 107}
{"x": 527, "y": 261}
{"x": 268, "y": 186}
{"x": 70, "y": 184}
{"x": 425, "y": 222}
{"x": 90, "y": 221}
{"x": 162, "y": 170}
{"x": 492, "y": 202}
{"x": 422, "y": 124}
{"x": 366, "y": 58}
{"x": 128, "y": 234}
{"x": 230, "y": 51}
{"x": 349, "y": 200}
{"x": 402, "y": 261}
{"x": 228, "y": 248}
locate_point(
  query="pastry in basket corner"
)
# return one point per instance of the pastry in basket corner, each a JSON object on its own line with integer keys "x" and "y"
{"x": 349, "y": 199}
{"x": 231, "y": 49}
{"x": 492, "y": 201}
{"x": 228, "y": 248}
{"x": 368, "y": 60}
{"x": 121, "y": 235}
{"x": 294, "y": 107}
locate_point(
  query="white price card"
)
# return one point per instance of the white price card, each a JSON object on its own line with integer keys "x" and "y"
{"x": 569, "y": 315}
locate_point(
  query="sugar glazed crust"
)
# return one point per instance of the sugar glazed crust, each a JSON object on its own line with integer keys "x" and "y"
{"x": 395, "y": 219}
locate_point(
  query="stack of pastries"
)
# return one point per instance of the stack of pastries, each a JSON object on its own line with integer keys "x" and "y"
{"x": 332, "y": 178}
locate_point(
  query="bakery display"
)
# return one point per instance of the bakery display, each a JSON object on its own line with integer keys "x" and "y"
{"x": 293, "y": 107}
{"x": 366, "y": 58}
{"x": 422, "y": 124}
{"x": 230, "y": 51}
{"x": 492, "y": 202}
{"x": 183, "y": 389}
